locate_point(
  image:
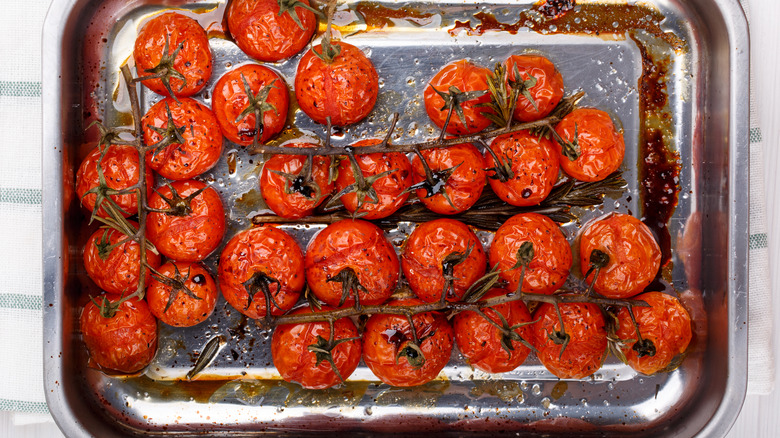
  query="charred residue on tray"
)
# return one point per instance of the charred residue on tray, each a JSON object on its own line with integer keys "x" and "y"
{"x": 377, "y": 16}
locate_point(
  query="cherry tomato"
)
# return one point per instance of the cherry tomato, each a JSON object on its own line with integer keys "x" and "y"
{"x": 190, "y": 230}
{"x": 286, "y": 188}
{"x": 197, "y": 126}
{"x": 634, "y": 255}
{"x": 584, "y": 326}
{"x": 126, "y": 342}
{"x": 267, "y": 33}
{"x": 389, "y": 189}
{"x": 258, "y": 258}
{"x": 601, "y": 146}
{"x": 312, "y": 370}
{"x": 119, "y": 165}
{"x": 531, "y": 165}
{"x": 235, "y": 110}
{"x": 116, "y": 269}
{"x": 488, "y": 347}
{"x": 350, "y": 249}
{"x": 175, "y": 43}
{"x": 466, "y": 78}
{"x": 344, "y": 89}
{"x": 194, "y": 294}
{"x": 463, "y": 186}
{"x": 552, "y": 258}
{"x": 391, "y": 354}
{"x": 665, "y": 327}
{"x": 425, "y": 252}
{"x": 546, "y": 92}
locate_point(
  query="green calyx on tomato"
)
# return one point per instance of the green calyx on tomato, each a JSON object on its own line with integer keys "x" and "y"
{"x": 435, "y": 182}
{"x": 261, "y": 282}
{"x": 177, "y": 285}
{"x": 571, "y": 149}
{"x": 164, "y": 70}
{"x": 362, "y": 187}
{"x": 502, "y": 171}
{"x": 103, "y": 193}
{"x": 349, "y": 282}
{"x": 323, "y": 349}
{"x": 180, "y": 207}
{"x": 508, "y": 332}
{"x": 258, "y": 105}
{"x": 302, "y": 182}
{"x": 289, "y": 6}
{"x": 448, "y": 265}
{"x": 521, "y": 87}
{"x": 171, "y": 134}
{"x": 453, "y": 98}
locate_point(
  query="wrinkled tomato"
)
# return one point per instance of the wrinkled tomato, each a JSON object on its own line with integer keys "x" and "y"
{"x": 546, "y": 91}
{"x": 458, "y": 178}
{"x": 601, "y": 146}
{"x": 194, "y": 294}
{"x": 465, "y": 84}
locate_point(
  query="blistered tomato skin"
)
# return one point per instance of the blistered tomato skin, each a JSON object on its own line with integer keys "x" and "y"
{"x": 263, "y": 250}
{"x": 184, "y": 311}
{"x": 534, "y": 167}
{"x": 665, "y": 323}
{"x": 481, "y": 342}
{"x": 586, "y": 350}
{"x": 264, "y": 34}
{"x": 386, "y": 335}
{"x": 126, "y": 342}
{"x": 424, "y": 253}
{"x": 466, "y": 77}
{"x": 357, "y": 245}
{"x": 547, "y": 91}
{"x": 296, "y": 363}
{"x": 345, "y": 89}
{"x": 202, "y": 145}
{"x": 634, "y": 255}
{"x": 552, "y": 259}
{"x": 193, "y": 60}
{"x": 465, "y": 184}
{"x": 602, "y": 147}
{"x": 229, "y": 101}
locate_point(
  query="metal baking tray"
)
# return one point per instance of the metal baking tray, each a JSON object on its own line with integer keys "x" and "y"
{"x": 240, "y": 393}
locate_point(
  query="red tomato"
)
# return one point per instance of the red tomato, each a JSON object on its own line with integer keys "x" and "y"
{"x": 126, "y": 342}
{"x": 546, "y": 92}
{"x": 665, "y": 327}
{"x": 344, "y": 89}
{"x": 634, "y": 255}
{"x": 116, "y": 270}
{"x": 552, "y": 259}
{"x": 467, "y": 78}
{"x": 294, "y": 195}
{"x": 424, "y": 257}
{"x": 587, "y": 346}
{"x": 532, "y": 163}
{"x": 487, "y": 347}
{"x": 186, "y": 233}
{"x": 194, "y": 294}
{"x": 267, "y": 33}
{"x": 235, "y": 110}
{"x": 390, "y": 353}
{"x": 178, "y": 44}
{"x": 601, "y": 146}
{"x": 389, "y": 188}
{"x": 258, "y": 257}
{"x": 463, "y": 186}
{"x": 120, "y": 169}
{"x": 312, "y": 370}
{"x": 197, "y": 127}
{"x": 356, "y": 246}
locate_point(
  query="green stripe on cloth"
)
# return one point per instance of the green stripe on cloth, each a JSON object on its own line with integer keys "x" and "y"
{"x": 21, "y": 301}
{"x": 755, "y": 135}
{"x": 20, "y": 196}
{"x": 20, "y": 89}
{"x": 758, "y": 241}
{"x": 24, "y": 406}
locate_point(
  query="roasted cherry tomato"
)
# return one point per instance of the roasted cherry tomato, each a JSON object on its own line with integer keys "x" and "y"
{"x": 351, "y": 257}
{"x": 583, "y": 326}
{"x": 494, "y": 347}
{"x": 552, "y": 257}
{"x": 294, "y": 185}
{"x": 395, "y": 177}
{"x": 665, "y": 329}
{"x": 184, "y": 229}
{"x": 113, "y": 260}
{"x": 343, "y": 87}
{"x": 400, "y": 357}
{"x": 634, "y": 255}
{"x": 271, "y": 30}
{"x": 460, "y": 168}
{"x": 177, "y": 47}
{"x": 541, "y": 81}
{"x": 528, "y": 169}
{"x": 601, "y": 146}
{"x": 236, "y": 110}
{"x": 119, "y": 165}
{"x": 292, "y": 344}
{"x": 435, "y": 247}
{"x": 185, "y": 295}
{"x": 261, "y": 258}
{"x": 125, "y": 342}
{"x": 462, "y": 86}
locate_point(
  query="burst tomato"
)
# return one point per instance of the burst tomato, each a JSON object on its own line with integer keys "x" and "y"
{"x": 546, "y": 91}
{"x": 186, "y": 297}
{"x": 454, "y": 80}
{"x": 601, "y": 146}
{"x": 462, "y": 186}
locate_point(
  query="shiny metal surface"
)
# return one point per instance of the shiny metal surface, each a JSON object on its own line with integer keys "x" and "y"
{"x": 240, "y": 393}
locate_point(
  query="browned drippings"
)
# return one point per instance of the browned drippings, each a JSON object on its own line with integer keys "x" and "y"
{"x": 377, "y": 16}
